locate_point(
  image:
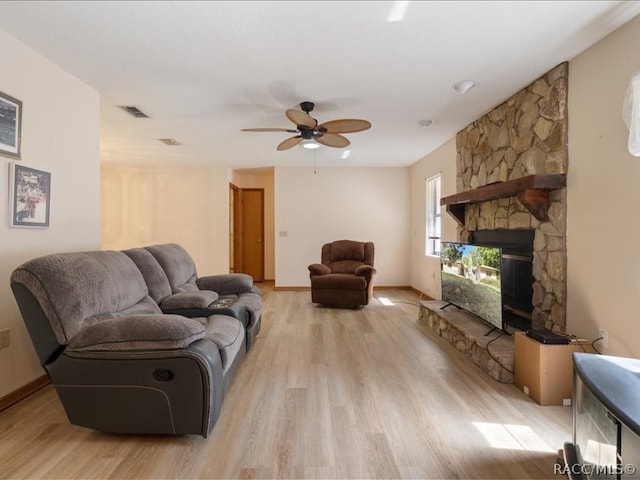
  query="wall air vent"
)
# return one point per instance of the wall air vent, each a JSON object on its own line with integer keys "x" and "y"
{"x": 170, "y": 141}
{"x": 133, "y": 111}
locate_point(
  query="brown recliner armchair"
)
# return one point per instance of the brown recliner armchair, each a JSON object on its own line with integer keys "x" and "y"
{"x": 345, "y": 276}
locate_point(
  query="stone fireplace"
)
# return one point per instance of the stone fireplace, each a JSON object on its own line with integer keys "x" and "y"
{"x": 511, "y": 178}
{"x": 522, "y": 141}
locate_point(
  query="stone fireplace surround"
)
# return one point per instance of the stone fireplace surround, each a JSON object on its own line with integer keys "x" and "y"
{"x": 523, "y": 141}
{"x": 526, "y": 135}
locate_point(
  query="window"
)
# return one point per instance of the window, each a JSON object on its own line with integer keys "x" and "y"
{"x": 433, "y": 216}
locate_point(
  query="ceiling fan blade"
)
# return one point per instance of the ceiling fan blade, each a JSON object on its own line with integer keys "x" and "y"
{"x": 290, "y": 142}
{"x": 332, "y": 140}
{"x": 301, "y": 118}
{"x": 269, "y": 130}
{"x": 346, "y": 125}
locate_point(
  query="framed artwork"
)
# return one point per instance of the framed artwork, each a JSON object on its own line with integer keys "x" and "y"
{"x": 10, "y": 126}
{"x": 30, "y": 196}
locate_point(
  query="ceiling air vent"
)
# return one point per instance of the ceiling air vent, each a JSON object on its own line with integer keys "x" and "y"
{"x": 170, "y": 141}
{"x": 133, "y": 111}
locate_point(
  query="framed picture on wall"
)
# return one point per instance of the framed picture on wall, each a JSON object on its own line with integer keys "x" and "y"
{"x": 29, "y": 196}
{"x": 10, "y": 126}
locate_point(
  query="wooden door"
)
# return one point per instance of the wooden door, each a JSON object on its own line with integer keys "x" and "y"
{"x": 252, "y": 232}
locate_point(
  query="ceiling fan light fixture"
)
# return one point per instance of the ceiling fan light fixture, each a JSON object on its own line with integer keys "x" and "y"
{"x": 464, "y": 86}
{"x": 309, "y": 144}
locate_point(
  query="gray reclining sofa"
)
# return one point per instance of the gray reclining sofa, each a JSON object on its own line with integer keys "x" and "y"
{"x": 118, "y": 362}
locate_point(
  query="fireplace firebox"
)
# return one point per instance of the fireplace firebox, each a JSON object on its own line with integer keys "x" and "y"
{"x": 517, "y": 273}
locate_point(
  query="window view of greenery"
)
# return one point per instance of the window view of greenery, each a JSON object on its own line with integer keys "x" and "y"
{"x": 471, "y": 280}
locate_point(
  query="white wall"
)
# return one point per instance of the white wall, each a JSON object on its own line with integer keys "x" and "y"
{"x": 425, "y": 269}
{"x": 60, "y": 134}
{"x": 603, "y": 196}
{"x": 365, "y": 204}
{"x": 188, "y": 205}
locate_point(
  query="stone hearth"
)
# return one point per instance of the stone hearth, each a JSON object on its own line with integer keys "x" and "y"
{"x": 468, "y": 335}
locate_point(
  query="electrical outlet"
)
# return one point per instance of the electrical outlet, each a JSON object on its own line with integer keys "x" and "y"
{"x": 604, "y": 341}
{"x": 4, "y": 338}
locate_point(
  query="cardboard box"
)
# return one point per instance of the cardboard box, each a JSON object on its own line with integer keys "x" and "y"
{"x": 545, "y": 372}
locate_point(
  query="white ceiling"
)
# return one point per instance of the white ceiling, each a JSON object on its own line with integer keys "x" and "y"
{"x": 204, "y": 70}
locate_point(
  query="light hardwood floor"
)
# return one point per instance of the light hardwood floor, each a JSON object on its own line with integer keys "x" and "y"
{"x": 324, "y": 393}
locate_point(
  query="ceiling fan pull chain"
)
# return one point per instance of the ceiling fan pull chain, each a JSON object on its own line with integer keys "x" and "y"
{"x": 314, "y": 161}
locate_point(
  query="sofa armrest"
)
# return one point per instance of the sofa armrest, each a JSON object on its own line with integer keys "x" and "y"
{"x": 139, "y": 332}
{"x": 180, "y": 300}
{"x": 226, "y": 283}
{"x": 319, "y": 269}
{"x": 366, "y": 271}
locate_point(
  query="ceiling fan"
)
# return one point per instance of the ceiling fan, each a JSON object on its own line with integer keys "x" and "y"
{"x": 309, "y": 131}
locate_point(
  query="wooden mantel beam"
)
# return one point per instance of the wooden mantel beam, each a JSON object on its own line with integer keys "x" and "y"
{"x": 532, "y": 191}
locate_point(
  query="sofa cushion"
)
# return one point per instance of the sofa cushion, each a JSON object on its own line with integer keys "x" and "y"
{"x": 139, "y": 332}
{"x": 199, "y": 299}
{"x": 155, "y": 278}
{"x": 145, "y": 306}
{"x": 344, "y": 266}
{"x": 177, "y": 265}
{"x": 228, "y": 334}
{"x": 223, "y": 330}
{"x": 252, "y": 302}
{"x": 73, "y": 288}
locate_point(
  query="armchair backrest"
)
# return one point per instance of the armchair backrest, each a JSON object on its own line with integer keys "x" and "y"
{"x": 345, "y": 256}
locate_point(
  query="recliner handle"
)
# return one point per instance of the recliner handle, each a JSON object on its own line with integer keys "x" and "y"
{"x": 163, "y": 375}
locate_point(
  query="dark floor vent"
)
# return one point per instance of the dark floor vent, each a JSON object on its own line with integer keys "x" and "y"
{"x": 133, "y": 111}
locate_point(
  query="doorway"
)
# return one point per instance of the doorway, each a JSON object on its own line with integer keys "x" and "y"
{"x": 246, "y": 231}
